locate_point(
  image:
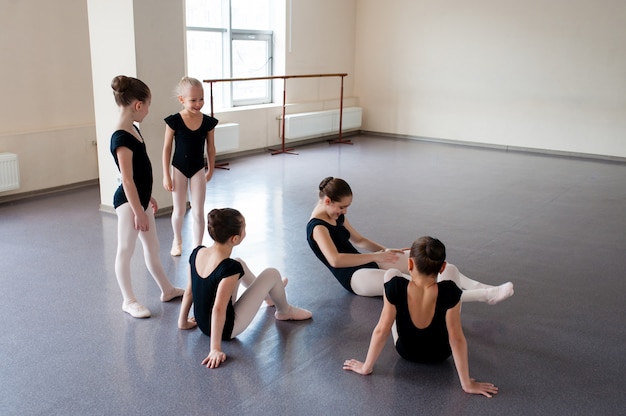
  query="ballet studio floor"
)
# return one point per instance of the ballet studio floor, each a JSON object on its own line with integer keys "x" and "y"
{"x": 555, "y": 226}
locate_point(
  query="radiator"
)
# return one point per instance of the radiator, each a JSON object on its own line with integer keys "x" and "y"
{"x": 9, "y": 172}
{"x": 226, "y": 137}
{"x": 321, "y": 123}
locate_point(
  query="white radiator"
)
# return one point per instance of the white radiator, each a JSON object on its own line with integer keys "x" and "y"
{"x": 321, "y": 123}
{"x": 226, "y": 137}
{"x": 9, "y": 172}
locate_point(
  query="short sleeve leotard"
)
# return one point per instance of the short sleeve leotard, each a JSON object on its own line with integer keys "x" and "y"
{"x": 142, "y": 169}
{"x": 430, "y": 344}
{"x": 204, "y": 290}
{"x": 341, "y": 238}
{"x": 189, "y": 144}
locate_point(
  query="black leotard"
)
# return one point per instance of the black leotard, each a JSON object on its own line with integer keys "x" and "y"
{"x": 142, "y": 169}
{"x": 189, "y": 144}
{"x": 204, "y": 290}
{"x": 341, "y": 238}
{"x": 430, "y": 344}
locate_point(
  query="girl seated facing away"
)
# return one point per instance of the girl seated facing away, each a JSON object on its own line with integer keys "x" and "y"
{"x": 424, "y": 316}
{"x": 214, "y": 283}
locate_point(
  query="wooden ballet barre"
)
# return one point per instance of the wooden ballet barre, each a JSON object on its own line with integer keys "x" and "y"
{"x": 285, "y": 78}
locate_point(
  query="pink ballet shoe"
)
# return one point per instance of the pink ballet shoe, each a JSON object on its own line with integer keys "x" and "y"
{"x": 294, "y": 314}
{"x": 177, "y": 248}
{"x": 136, "y": 310}
{"x": 176, "y": 293}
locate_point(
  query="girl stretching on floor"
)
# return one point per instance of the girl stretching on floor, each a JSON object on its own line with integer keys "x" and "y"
{"x": 331, "y": 237}
{"x": 424, "y": 316}
{"x": 214, "y": 282}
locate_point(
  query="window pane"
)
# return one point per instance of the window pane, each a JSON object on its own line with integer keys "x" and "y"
{"x": 204, "y": 13}
{"x": 251, "y": 60}
{"x": 204, "y": 61}
{"x": 251, "y": 14}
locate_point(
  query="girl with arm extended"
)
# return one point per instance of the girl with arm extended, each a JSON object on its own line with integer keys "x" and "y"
{"x": 334, "y": 241}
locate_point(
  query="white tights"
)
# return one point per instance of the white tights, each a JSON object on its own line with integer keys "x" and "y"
{"x": 257, "y": 289}
{"x": 197, "y": 186}
{"x": 369, "y": 282}
{"x": 126, "y": 242}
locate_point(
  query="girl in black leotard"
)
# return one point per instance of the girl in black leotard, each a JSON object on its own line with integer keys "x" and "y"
{"x": 133, "y": 200}
{"x": 333, "y": 239}
{"x": 213, "y": 287}
{"x": 424, "y": 316}
{"x": 190, "y": 132}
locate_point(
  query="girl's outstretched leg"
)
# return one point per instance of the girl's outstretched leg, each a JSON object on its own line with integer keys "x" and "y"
{"x": 474, "y": 291}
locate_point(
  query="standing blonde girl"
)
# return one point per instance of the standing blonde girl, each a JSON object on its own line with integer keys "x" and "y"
{"x": 191, "y": 132}
{"x": 133, "y": 200}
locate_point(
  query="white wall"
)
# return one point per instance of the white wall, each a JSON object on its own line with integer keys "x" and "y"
{"x": 46, "y": 111}
{"x": 54, "y": 133}
{"x": 536, "y": 74}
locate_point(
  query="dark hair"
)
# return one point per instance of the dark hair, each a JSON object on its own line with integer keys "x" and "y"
{"x": 334, "y": 188}
{"x": 224, "y": 223}
{"x": 429, "y": 254}
{"x": 127, "y": 89}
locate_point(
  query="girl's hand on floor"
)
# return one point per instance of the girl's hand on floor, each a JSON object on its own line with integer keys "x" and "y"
{"x": 356, "y": 366}
{"x": 214, "y": 359}
{"x": 189, "y": 324}
{"x": 476, "y": 387}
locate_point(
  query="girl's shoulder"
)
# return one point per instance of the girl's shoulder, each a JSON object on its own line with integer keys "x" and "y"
{"x": 174, "y": 120}
{"x": 449, "y": 293}
{"x": 124, "y": 138}
{"x": 209, "y": 122}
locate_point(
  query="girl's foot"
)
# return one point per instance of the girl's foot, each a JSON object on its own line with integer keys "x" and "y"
{"x": 293, "y": 314}
{"x": 499, "y": 293}
{"x": 177, "y": 248}
{"x": 136, "y": 310}
{"x": 176, "y": 293}
{"x": 268, "y": 300}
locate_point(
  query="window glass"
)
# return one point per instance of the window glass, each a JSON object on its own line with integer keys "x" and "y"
{"x": 217, "y": 51}
{"x": 204, "y": 13}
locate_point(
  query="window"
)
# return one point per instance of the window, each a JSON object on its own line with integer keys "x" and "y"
{"x": 232, "y": 39}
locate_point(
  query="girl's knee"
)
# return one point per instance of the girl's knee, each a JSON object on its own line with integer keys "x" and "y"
{"x": 390, "y": 274}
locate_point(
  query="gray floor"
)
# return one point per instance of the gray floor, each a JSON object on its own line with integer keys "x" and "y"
{"x": 554, "y": 226}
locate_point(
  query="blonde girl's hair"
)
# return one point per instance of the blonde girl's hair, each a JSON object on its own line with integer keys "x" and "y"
{"x": 185, "y": 84}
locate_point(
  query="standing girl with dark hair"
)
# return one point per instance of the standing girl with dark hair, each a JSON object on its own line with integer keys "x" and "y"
{"x": 214, "y": 283}
{"x": 133, "y": 200}
{"x": 333, "y": 239}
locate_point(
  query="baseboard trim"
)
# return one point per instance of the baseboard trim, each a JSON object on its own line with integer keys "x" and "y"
{"x": 506, "y": 148}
